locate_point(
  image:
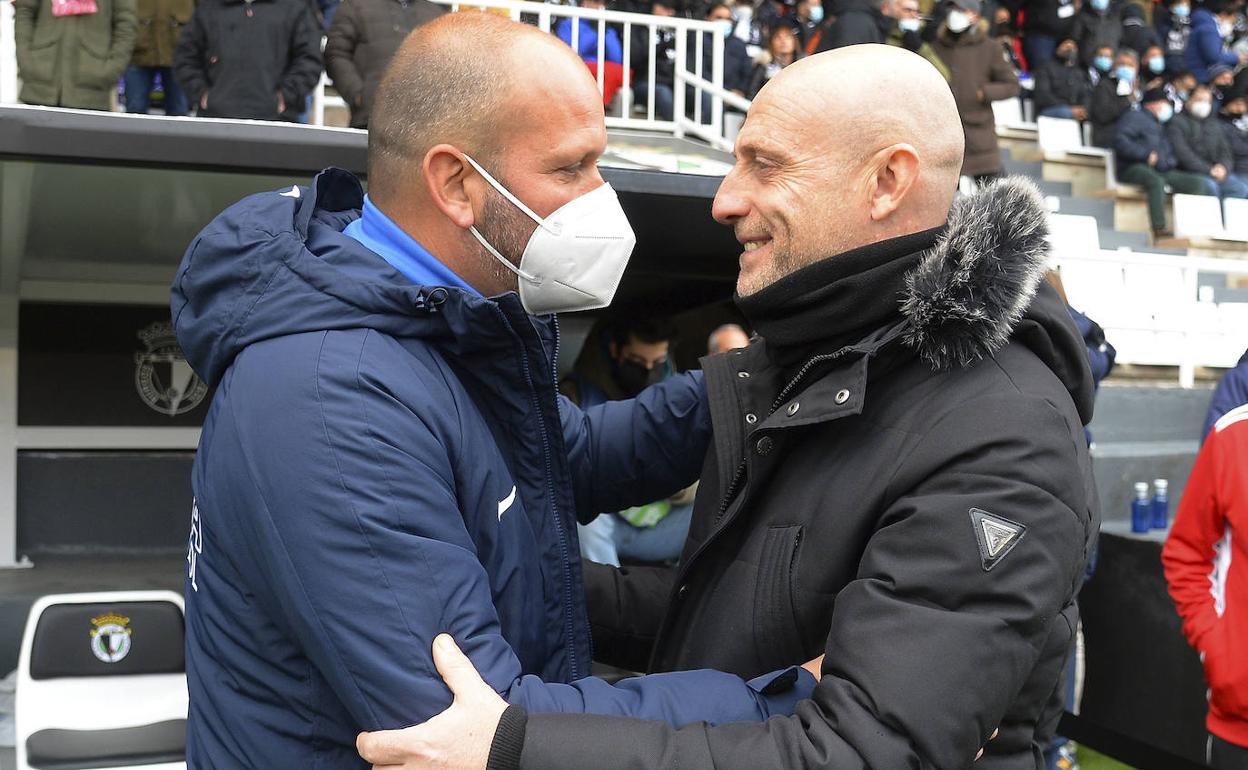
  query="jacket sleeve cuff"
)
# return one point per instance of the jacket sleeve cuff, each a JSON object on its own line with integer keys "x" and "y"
{"x": 780, "y": 691}
{"x": 508, "y": 740}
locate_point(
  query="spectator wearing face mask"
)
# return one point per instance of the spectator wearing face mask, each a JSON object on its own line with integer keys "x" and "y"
{"x": 1063, "y": 89}
{"x": 1101, "y": 65}
{"x": 1137, "y": 35}
{"x": 1235, "y": 127}
{"x": 1152, "y": 68}
{"x": 1212, "y": 25}
{"x": 1145, "y": 157}
{"x": 979, "y": 76}
{"x": 1201, "y": 147}
{"x": 1221, "y": 81}
{"x": 738, "y": 65}
{"x": 906, "y": 32}
{"x": 805, "y": 21}
{"x": 1179, "y": 88}
{"x": 1173, "y": 22}
{"x": 619, "y": 359}
{"x": 1112, "y": 97}
{"x": 1098, "y": 24}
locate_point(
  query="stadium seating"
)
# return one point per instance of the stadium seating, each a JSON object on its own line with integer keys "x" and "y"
{"x": 102, "y": 683}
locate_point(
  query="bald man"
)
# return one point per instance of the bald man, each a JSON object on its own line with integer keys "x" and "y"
{"x": 898, "y": 480}
{"x": 386, "y": 456}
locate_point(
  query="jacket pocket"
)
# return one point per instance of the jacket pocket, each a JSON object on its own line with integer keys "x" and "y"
{"x": 777, "y": 636}
{"x": 93, "y": 67}
{"x": 38, "y": 63}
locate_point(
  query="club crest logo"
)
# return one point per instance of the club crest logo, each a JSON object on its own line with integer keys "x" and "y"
{"x": 162, "y": 376}
{"x": 110, "y": 637}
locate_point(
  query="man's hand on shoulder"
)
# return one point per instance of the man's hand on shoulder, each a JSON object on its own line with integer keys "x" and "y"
{"x": 458, "y": 738}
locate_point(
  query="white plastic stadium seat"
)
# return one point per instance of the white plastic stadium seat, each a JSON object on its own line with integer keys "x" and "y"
{"x": 1236, "y": 218}
{"x": 101, "y": 683}
{"x": 1073, "y": 235}
{"x": 1058, "y": 135}
{"x": 1007, "y": 112}
{"x": 1198, "y": 216}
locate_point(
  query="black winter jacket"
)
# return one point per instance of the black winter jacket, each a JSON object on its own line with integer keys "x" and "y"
{"x": 1093, "y": 29}
{"x": 1107, "y": 109}
{"x": 1060, "y": 85}
{"x": 908, "y": 492}
{"x": 1045, "y": 17}
{"x": 362, "y": 40}
{"x": 1236, "y": 131}
{"x": 1139, "y": 135}
{"x": 858, "y": 22}
{"x": 1199, "y": 145}
{"x": 243, "y": 53}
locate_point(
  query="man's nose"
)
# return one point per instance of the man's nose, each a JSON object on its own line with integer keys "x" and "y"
{"x": 730, "y": 205}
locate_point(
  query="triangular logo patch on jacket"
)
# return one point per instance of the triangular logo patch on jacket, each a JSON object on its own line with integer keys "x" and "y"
{"x": 996, "y": 536}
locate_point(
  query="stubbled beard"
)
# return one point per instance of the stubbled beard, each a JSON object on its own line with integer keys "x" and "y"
{"x": 508, "y": 230}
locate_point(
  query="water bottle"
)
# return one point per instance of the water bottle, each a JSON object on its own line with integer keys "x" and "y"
{"x": 1141, "y": 509}
{"x": 1161, "y": 504}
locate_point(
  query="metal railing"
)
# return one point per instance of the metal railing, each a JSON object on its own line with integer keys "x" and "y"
{"x": 687, "y": 37}
{"x": 698, "y": 96}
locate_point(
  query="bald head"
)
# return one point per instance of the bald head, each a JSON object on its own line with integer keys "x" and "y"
{"x": 839, "y": 150}
{"x": 464, "y": 79}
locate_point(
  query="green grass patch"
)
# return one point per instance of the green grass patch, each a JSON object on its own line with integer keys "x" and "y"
{"x": 1091, "y": 760}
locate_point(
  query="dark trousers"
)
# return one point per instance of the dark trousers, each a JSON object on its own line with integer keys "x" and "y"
{"x": 1154, "y": 184}
{"x": 139, "y": 82}
{"x": 1224, "y": 755}
{"x": 1038, "y": 50}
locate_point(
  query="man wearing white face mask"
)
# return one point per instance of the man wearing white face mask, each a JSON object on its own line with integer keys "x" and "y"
{"x": 386, "y": 456}
{"x": 1202, "y": 147}
{"x": 979, "y": 75}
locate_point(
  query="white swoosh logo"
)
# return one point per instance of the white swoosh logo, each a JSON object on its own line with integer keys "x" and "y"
{"x": 505, "y": 503}
{"x": 293, "y": 192}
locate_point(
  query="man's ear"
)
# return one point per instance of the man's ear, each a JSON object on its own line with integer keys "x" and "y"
{"x": 896, "y": 171}
{"x": 447, "y": 176}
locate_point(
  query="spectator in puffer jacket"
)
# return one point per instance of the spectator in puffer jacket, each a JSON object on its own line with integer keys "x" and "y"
{"x": 1146, "y": 157}
{"x": 1212, "y": 26}
{"x": 1098, "y": 23}
{"x": 1113, "y": 96}
{"x": 1201, "y": 147}
{"x": 1235, "y": 126}
{"x": 256, "y": 59}
{"x": 1063, "y": 89}
{"x": 362, "y": 39}
{"x": 1173, "y": 22}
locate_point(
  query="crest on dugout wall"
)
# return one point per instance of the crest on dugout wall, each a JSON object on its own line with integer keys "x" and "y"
{"x": 164, "y": 379}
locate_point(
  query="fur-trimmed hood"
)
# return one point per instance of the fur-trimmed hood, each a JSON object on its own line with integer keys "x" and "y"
{"x": 970, "y": 290}
{"x": 983, "y": 284}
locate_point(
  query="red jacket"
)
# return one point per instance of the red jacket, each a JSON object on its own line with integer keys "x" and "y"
{"x": 1206, "y": 562}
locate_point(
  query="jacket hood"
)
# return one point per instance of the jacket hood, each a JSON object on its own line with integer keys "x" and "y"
{"x": 982, "y": 283}
{"x": 277, "y": 263}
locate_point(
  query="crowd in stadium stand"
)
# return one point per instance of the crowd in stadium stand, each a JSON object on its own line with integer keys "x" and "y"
{"x": 1163, "y": 85}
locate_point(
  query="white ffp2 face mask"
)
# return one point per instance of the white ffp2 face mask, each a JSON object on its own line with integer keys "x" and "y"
{"x": 575, "y": 258}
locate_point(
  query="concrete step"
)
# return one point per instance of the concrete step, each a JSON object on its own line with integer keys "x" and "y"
{"x": 1115, "y": 239}
{"x": 1099, "y": 208}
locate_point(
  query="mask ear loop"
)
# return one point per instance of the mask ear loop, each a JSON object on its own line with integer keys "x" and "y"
{"x": 507, "y": 193}
{"x": 515, "y": 202}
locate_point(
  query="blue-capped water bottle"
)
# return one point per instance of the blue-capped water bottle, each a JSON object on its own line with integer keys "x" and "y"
{"x": 1141, "y": 509}
{"x": 1161, "y": 504}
